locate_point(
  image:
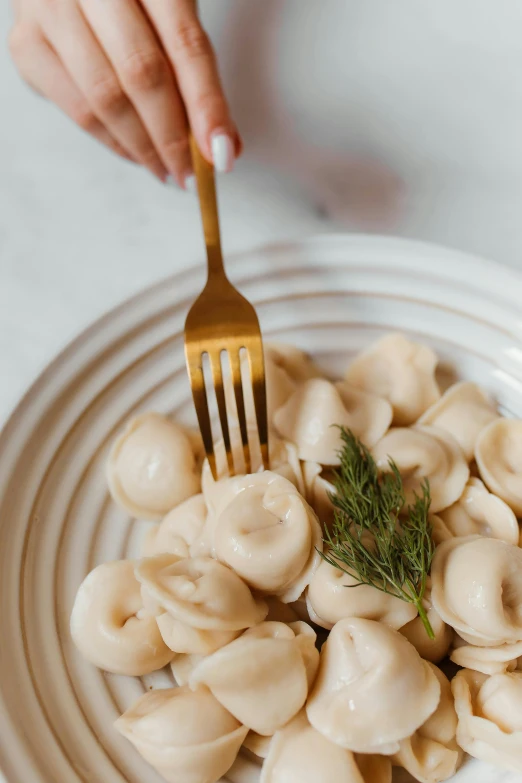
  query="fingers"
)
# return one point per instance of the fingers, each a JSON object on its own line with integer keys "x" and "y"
{"x": 82, "y": 56}
{"x": 146, "y": 76}
{"x": 194, "y": 63}
{"x": 42, "y": 70}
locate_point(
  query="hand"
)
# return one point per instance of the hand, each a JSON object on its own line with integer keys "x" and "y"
{"x": 132, "y": 73}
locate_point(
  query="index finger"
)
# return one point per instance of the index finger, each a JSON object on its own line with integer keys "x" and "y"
{"x": 192, "y": 57}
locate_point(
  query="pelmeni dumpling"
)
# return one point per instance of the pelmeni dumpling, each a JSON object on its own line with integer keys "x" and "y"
{"x": 263, "y": 677}
{"x": 489, "y": 711}
{"x": 331, "y": 596}
{"x": 300, "y": 754}
{"x": 477, "y": 589}
{"x": 464, "y": 410}
{"x": 311, "y": 418}
{"x": 425, "y": 453}
{"x": 186, "y": 735}
{"x": 285, "y": 368}
{"x": 499, "y": 458}
{"x": 401, "y": 371}
{"x": 201, "y": 604}
{"x": 431, "y": 754}
{"x": 178, "y": 531}
{"x": 110, "y": 627}
{"x": 478, "y": 512}
{"x": 436, "y": 649}
{"x": 488, "y": 660}
{"x": 152, "y": 467}
{"x": 268, "y": 534}
{"x": 366, "y": 671}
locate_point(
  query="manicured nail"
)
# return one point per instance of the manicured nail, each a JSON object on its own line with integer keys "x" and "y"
{"x": 190, "y": 184}
{"x": 222, "y": 153}
{"x": 171, "y": 182}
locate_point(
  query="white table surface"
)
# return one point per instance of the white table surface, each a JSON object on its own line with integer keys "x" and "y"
{"x": 354, "y": 117}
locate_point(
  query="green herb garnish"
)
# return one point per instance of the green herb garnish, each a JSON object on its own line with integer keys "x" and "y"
{"x": 368, "y": 540}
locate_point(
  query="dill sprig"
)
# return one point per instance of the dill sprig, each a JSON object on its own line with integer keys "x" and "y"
{"x": 375, "y": 538}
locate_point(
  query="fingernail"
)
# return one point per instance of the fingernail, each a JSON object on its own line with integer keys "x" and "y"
{"x": 171, "y": 182}
{"x": 222, "y": 153}
{"x": 190, "y": 184}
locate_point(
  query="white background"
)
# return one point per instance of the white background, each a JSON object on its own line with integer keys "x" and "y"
{"x": 394, "y": 116}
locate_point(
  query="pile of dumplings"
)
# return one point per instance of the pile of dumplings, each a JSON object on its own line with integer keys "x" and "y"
{"x": 273, "y": 658}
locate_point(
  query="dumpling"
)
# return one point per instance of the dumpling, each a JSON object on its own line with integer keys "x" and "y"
{"x": 489, "y": 711}
{"x": 262, "y": 678}
{"x": 477, "y": 589}
{"x": 499, "y": 458}
{"x": 318, "y": 489}
{"x": 152, "y": 467}
{"x": 464, "y": 410}
{"x": 366, "y": 670}
{"x": 436, "y": 649}
{"x": 201, "y": 604}
{"x": 488, "y": 660}
{"x": 374, "y": 769}
{"x": 311, "y": 418}
{"x": 110, "y": 627}
{"x": 478, "y": 512}
{"x": 267, "y": 533}
{"x": 280, "y": 612}
{"x": 300, "y": 754}
{"x": 178, "y": 530}
{"x": 285, "y": 368}
{"x": 187, "y": 736}
{"x": 331, "y": 596}
{"x": 401, "y": 371}
{"x": 425, "y": 453}
{"x": 431, "y": 754}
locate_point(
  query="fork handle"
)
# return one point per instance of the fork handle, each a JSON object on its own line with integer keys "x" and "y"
{"x": 206, "y": 185}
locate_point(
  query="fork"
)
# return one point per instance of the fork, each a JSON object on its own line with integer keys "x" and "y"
{"x": 223, "y": 324}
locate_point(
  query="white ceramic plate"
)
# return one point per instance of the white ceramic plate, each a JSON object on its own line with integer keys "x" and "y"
{"x": 330, "y": 296}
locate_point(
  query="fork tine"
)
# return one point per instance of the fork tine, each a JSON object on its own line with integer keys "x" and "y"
{"x": 235, "y": 366}
{"x": 256, "y": 364}
{"x": 199, "y": 394}
{"x": 217, "y": 377}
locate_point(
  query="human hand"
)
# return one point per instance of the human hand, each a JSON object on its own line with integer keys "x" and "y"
{"x": 132, "y": 73}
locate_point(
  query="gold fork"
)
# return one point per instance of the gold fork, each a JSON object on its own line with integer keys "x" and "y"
{"x": 222, "y": 323}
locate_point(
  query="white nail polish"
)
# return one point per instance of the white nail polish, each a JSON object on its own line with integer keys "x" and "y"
{"x": 171, "y": 182}
{"x": 222, "y": 153}
{"x": 190, "y": 184}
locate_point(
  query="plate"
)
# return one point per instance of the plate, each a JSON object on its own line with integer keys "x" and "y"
{"x": 330, "y": 295}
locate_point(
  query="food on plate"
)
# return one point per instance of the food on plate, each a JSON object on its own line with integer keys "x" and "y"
{"x": 300, "y": 754}
{"x": 499, "y": 457}
{"x": 401, "y": 371}
{"x": 365, "y": 664}
{"x": 263, "y": 677}
{"x": 422, "y": 453}
{"x": 478, "y": 511}
{"x": 152, "y": 467}
{"x": 110, "y": 626}
{"x": 477, "y": 589}
{"x": 178, "y": 531}
{"x": 330, "y": 599}
{"x": 300, "y": 610}
{"x": 186, "y": 735}
{"x": 200, "y": 604}
{"x": 311, "y": 418}
{"x": 464, "y": 410}
{"x": 489, "y": 711}
{"x": 431, "y": 754}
